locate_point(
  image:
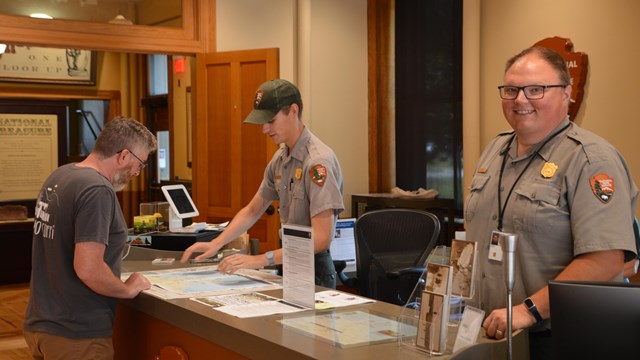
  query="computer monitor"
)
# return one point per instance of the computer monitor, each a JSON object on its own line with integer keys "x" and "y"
{"x": 595, "y": 320}
{"x": 182, "y": 206}
{"x": 343, "y": 245}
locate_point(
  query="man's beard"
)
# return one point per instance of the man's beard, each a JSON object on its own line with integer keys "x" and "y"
{"x": 121, "y": 179}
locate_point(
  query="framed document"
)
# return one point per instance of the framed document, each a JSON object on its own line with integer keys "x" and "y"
{"x": 48, "y": 65}
{"x": 28, "y": 153}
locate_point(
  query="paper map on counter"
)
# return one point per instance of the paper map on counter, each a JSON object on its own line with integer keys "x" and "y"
{"x": 202, "y": 281}
{"x": 349, "y": 328}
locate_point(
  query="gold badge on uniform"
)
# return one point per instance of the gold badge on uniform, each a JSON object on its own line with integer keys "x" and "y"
{"x": 482, "y": 170}
{"x": 298, "y": 173}
{"x": 548, "y": 170}
{"x": 318, "y": 174}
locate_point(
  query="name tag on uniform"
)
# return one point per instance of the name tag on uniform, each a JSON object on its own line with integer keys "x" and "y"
{"x": 495, "y": 248}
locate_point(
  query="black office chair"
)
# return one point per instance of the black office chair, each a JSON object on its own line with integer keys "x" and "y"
{"x": 636, "y": 232}
{"x": 392, "y": 246}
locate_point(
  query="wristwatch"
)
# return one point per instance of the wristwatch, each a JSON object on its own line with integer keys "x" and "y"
{"x": 269, "y": 255}
{"x": 531, "y": 306}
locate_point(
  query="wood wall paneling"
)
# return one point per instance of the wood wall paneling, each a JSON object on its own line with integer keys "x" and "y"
{"x": 381, "y": 96}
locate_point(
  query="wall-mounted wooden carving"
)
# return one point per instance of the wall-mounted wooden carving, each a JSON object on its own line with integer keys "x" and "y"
{"x": 577, "y": 62}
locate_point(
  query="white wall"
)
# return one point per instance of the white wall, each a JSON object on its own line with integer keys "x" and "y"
{"x": 323, "y": 49}
{"x": 259, "y": 24}
{"x": 338, "y": 87}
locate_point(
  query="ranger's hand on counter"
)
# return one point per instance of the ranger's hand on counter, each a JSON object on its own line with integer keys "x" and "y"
{"x": 232, "y": 263}
{"x": 208, "y": 249}
{"x": 495, "y": 325}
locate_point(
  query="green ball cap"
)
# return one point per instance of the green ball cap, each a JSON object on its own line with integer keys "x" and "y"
{"x": 270, "y": 97}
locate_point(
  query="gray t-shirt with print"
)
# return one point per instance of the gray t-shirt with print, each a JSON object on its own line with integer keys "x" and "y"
{"x": 75, "y": 204}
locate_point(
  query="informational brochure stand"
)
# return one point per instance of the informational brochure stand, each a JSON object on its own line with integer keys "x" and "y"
{"x": 298, "y": 265}
{"x": 435, "y": 309}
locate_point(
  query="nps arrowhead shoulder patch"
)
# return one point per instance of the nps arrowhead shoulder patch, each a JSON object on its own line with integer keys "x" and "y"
{"x": 602, "y": 186}
{"x": 318, "y": 174}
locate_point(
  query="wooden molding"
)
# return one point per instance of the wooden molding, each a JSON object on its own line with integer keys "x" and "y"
{"x": 381, "y": 128}
{"x": 196, "y": 36}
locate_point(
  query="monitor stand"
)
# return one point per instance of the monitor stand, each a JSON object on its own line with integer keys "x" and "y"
{"x": 175, "y": 222}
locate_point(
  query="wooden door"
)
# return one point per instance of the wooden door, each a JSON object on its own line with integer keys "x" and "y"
{"x": 230, "y": 157}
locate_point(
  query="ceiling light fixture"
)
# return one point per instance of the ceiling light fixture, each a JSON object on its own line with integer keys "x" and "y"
{"x": 41, "y": 16}
{"x": 120, "y": 19}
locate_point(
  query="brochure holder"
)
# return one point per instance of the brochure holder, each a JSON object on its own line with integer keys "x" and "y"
{"x": 433, "y": 313}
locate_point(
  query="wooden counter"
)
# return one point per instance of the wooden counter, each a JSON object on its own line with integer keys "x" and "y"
{"x": 146, "y": 324}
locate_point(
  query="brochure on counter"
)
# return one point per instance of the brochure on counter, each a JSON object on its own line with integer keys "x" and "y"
{"x": 249, "y": 304}
{"x": 330, "y": 299}
{"x": 298, "y": 265}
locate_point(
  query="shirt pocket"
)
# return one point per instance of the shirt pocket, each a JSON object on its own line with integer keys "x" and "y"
{"x": 538, "y": 209}
{"x": 476, "y": 189}
{"x": 297, "y": 199}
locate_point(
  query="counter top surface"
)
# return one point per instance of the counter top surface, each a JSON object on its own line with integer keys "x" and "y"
{"x": 267, "y": 338}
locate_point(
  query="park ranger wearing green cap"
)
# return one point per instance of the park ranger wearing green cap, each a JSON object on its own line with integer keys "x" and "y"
{"x": 304, "y": 175}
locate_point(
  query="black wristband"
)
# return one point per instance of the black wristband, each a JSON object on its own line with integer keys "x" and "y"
{"x": 531, "y": 306}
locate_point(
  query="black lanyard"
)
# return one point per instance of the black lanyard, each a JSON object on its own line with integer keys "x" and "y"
{"x": 504, "y": 152}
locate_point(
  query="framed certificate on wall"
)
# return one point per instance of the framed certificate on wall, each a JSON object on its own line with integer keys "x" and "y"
{"x": 48, "y": 65}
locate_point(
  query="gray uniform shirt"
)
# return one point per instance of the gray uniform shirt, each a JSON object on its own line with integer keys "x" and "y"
{"x": 306, "y": 180}
{"x": 289, "y": 178}
{"x": 76, "y": 204}
{"x": 557, "y": 216}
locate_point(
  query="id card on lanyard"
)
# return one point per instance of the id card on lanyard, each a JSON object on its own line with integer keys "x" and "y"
{"x": 495, "y": 248}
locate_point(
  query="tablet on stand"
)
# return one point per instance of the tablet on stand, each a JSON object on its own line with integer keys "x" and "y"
{"x": 181, "y": 205}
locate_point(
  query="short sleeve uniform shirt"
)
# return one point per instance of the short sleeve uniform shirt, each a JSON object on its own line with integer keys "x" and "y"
{"x": 575, "y": 196}
{"x": 306, "y": 180}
